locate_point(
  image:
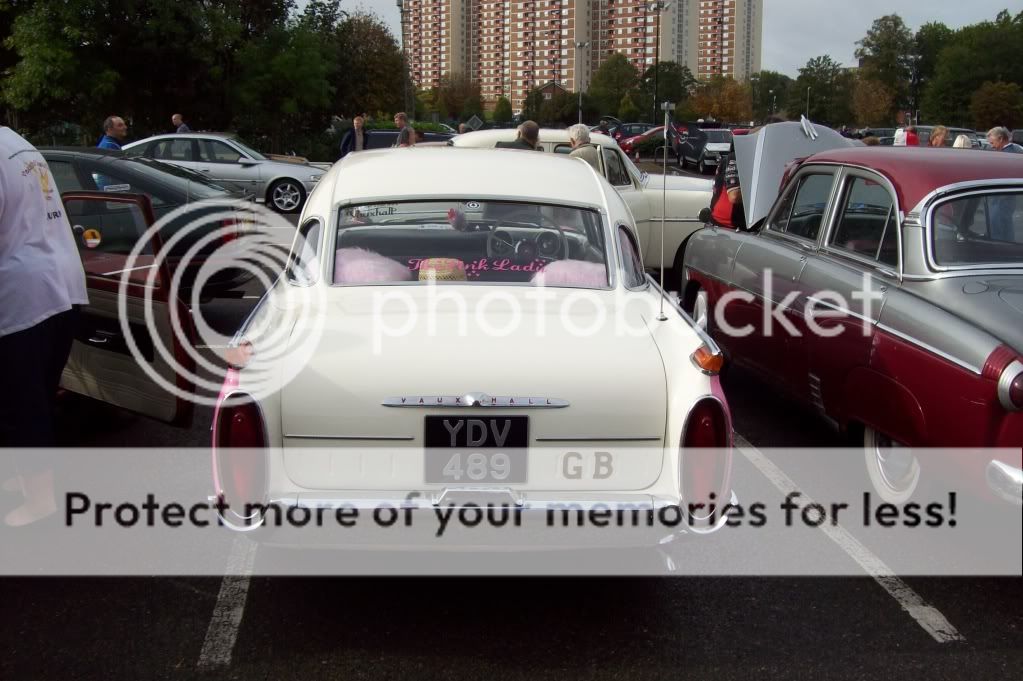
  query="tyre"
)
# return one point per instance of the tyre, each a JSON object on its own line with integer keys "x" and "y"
{"x": 701, "y": 167}
{"x": 893, "y": 469}
{"x": 286, "y": 195}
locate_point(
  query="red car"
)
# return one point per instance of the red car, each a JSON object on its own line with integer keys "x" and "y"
{"x": 629, "y": 144}
{"x": 934, "y": 239}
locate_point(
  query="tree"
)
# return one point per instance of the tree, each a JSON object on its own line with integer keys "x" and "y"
{"x": 725, "y": 99}
{"x": 502, "y": 110}
{"x": 872, "y": 102}
{"x": 627, "y": 109}
{"x": 615, "y": 78}
{"x": 473, "y": 106}
{"x": 997, "y": 104}
{"x": 988, "y": 51}
{"x": 770, "y": 92}
{"x": 886, "y": 53}
{"x": 830, "y": 89}
{"x": 675, "y": 82}
{"x": 930, "y": 39}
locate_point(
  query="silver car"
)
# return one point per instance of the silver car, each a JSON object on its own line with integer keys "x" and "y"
{"x": 282, "y": 182}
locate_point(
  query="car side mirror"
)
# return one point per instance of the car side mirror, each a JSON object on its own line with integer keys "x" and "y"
{"x": 247, "y": 161}
{"x": 704, "y": 215}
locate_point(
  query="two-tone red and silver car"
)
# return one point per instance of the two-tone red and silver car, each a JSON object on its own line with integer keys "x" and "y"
{"x": 884, "y": 287}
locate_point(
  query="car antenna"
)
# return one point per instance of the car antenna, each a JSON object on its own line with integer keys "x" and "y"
{"x": 667, "y": 107}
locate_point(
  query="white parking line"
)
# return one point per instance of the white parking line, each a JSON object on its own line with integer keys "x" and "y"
{"x": 222, "y": 632}
{"x": 926, "y": 615}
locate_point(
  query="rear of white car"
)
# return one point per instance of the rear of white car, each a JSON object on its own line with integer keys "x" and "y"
{"x": 465, "y": 342}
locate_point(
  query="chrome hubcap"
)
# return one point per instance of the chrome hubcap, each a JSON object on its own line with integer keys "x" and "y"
{"x": 894, "y": 462}
{"x": 286, "y": 196}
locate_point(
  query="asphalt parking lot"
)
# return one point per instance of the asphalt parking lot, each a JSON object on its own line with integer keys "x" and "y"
{"x": 535, "y": 628}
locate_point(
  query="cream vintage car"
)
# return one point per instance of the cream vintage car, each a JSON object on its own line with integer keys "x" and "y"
{"x": 643, "y": 193}
{"x": 456, "y": 337}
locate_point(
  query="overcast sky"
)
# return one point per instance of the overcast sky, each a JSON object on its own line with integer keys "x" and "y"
{"x": 796, "y": 30}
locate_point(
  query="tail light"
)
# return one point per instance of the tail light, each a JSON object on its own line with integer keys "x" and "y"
{"x": 708, "y": 361}
{"x": 706, "y": 456}
{"x": 1005, "y": 367}
{"x": 1010, "y": 386}
{"x": 239, "y": 456}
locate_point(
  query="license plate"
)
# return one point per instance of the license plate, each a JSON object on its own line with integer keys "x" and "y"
{"x": 472, "y": 450}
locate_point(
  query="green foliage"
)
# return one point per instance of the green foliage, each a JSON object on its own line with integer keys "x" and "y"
{"x": 988, "y": 51}
{"x": 675, "y": 83}
{"x": 615, "y": 78}
{"x": 997, "y": 104}
{"x": 887, "y": 52}
{"x": 770, "y": 92}
{"x": 627, "y": 109}
{"x": 473, "y": 106}
{"x": 256, "y": 67}
{"x": 502, "y": 111}
{"x": 831, "y": 92}
{"x": 930, "y": 39}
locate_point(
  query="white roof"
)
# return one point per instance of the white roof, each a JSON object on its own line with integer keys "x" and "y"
{"x": 488, "y": 138}
{"x": 447, "y": 172}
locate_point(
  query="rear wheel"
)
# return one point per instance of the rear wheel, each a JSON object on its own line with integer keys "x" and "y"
{"x": 893, "y": 469}
{"x": 286, "y": 196}
{"x": 701, "y": 166}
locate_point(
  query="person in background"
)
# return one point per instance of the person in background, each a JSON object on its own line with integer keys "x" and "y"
{"x": 528, "y": 138}
{"x": 115, "y": 131}
{"x": 401, "y": 122}
{"x": 726, "y": 208}
{"x": 962, "y": 142}
{"x": 462, "y": 128}
{"x": 356, "y": 139}
{"x": 179, "y": 124}
{"x": 939, "y": 135}
{"x": 871, "y": 141}
{"x": 579, "y": 137}
{"x": 912, "y": 139}
{"x": 900, "y": 138}
{"x": 42, "y": 285}
{"x": 1001, "y": 140}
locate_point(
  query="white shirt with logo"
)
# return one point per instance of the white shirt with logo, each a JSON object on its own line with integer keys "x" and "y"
{"x": 40, "y": 271}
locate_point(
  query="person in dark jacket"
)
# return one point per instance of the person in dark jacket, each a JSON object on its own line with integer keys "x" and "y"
{"x": 356, "y": 139}
{"x": 528, "y": 138}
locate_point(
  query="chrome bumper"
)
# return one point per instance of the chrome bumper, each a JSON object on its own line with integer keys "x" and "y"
{"x": 1005, "y": 481}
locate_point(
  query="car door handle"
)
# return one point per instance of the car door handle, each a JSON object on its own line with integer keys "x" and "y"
{"x": 204, "y": 170}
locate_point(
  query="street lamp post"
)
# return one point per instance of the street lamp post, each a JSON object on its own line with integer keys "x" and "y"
{"x": 579, "y": 46}
{"x": 657, "y": 7}
{"x": 808, "y": 101}
{"x": 404, "y": 62}
{"x": 773, "y": 99}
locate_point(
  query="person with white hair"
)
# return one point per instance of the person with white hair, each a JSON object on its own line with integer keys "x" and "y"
{"x": 962, "y": 142}
{"x": 1001, "y": 140}
{"x": 579, "y": 138}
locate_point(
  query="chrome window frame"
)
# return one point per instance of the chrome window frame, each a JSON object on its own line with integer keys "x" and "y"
{"x": 315, "y": 271}
{"x": 620, "y": 255}
{"x": 962, "y": 190}
{"x": 847, "y": 174}
{"x": 793, "y": 186}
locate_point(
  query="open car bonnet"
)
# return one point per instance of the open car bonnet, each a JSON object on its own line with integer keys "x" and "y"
{"x": 762, "y": 156}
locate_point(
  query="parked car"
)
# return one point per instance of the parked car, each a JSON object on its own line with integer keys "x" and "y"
{"x": 643, "y": 193}
{"x": 630, "y": 144}
{"x": 281, "y": 182}
{"x": 701, "y": 147}
{"x": 627, "y": 130}
{"x": 168, "y": 187}
{"x": 383, "y": 139}
{"x": 937, "y": 359}
{"x": 393, "y": 223}
{"x": 923, "y": 133}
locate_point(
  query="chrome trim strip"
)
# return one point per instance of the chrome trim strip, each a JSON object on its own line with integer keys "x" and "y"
{"x": 707, "y": 340}
{"x": 958, "y": 186}
{"x": 836, "y": 308}
{"x": 475, "y": 401}
{"x": 1009, "y": 374}
{"x": 1005, "y": 481}
{"x": 589, "y": 438}
{"x": 373, "y": 438}
{"x": 930, "y": 348}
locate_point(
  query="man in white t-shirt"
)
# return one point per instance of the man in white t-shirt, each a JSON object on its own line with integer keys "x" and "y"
{"x": 42, "y": 283}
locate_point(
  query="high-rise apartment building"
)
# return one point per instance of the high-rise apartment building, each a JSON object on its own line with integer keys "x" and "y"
{"x": 512, "y": 47}
{"x": 730, "y": 34}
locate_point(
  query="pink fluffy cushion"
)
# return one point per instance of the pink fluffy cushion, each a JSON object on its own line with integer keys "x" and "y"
{"x": 572, "y": 273}
{"x": 359, "y": 266}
